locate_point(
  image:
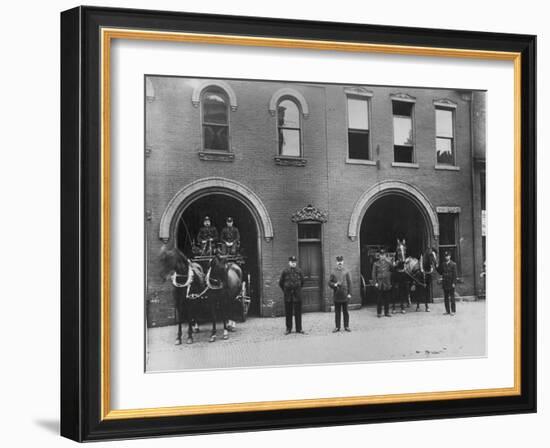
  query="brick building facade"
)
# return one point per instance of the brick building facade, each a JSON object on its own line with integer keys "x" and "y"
{"x": 316, "y": 171}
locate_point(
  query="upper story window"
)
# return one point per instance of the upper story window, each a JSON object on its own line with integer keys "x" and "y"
{"x": 215, "y": 119}
{"x": 358, "y": 128}
{"x": 444, "y": 136}
{"x": 403, "y": 131}
{"x": 289, "y": 128}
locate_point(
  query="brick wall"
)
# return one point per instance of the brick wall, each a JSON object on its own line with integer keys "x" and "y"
{"x": 328, "y": 182}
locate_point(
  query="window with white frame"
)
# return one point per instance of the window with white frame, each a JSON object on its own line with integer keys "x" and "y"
{"x": 444, "y": 136}
{"x": 215, "y": 119}
{"x": 289, "y": 128}
{"x": 358, "y": 128}
{"x": 403, "y": 131}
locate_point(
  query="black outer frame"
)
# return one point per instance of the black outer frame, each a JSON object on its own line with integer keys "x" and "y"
{"x": 80, "y": 223}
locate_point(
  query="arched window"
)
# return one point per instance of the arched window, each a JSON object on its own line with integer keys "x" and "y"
{"x": 215, "y": 119}
{"x": 289, "y": 128}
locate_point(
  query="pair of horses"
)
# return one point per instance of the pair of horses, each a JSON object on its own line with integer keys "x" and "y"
{"x": 218, "y": 286}
{"x": 414, "y": 274}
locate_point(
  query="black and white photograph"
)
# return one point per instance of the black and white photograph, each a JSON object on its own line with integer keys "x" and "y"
{"x": 297, "y": 223}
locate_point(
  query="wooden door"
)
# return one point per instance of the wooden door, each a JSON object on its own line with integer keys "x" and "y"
{"x": 311, "y": 262}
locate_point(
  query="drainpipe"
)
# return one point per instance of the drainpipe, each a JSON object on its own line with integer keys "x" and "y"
{"x": 473, "y": 181}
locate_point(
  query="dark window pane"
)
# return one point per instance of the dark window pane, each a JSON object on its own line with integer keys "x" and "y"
{"x": 289, "y": 142}
{"x": 447, "y": 228}
{"x": 444, "y": 151}
{"x": 309, "y": 231}
{"x": 358, "y": 145}
{"x": 216, "y": 137}
{"x": 403, "y": 154}
{"x": 402, "y": 108}
{"x": 214, "y": 106}
{"x": 289, "y": 114}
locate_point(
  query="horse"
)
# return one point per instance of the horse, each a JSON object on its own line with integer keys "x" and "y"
{"x": 399, "y": 278}
{"x": 421, "y": 272}
{"x": 176, "y": 266}
{"x": 224, "y": 279}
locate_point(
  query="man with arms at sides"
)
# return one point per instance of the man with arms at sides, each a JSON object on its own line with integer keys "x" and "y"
{"x": 291, "y": 282}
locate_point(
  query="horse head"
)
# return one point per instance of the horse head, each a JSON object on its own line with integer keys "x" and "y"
{"x": 178, "y": 268}
{"x": 401, "y": 250}
{"x": 430, "y": 260}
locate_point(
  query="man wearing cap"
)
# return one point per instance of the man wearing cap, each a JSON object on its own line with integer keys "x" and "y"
{"x": 340, "y": 283}
{"x": 230, "y": 238}
{"x": 381, "y": 277}
{"x": 447, "y": 269}
{"x": 207, "y": 237}
{"x": 291, "y": 282}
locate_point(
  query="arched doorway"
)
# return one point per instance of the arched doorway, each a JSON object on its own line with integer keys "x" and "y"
{"x": 385, "y": 212}
{"x": 388, "y": 218}
{"x": 218, "y": 206}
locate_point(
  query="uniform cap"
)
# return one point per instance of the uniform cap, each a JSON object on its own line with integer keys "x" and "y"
{"x": 206, "y": 218}
{"x": 293, "y": 258}
{"x": 229, "y": 219}
{"x": 339, "y": 258}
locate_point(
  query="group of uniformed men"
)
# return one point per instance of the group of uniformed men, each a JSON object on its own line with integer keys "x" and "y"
{"x": 292, "y": 280}
{"x": 208, "y": 239}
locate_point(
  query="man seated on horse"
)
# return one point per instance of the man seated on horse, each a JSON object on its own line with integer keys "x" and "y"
{"x": 207, "y": 237}
{"x": 230, "y": 238}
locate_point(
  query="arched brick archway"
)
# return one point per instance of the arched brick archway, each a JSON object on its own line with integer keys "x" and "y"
{"x": 220, "y": 185}
{"x": 390, "y": 187}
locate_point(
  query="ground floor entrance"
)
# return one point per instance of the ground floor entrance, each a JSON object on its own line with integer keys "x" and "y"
{"x": 219, "y": 206}
{"x": 391, "y": 217}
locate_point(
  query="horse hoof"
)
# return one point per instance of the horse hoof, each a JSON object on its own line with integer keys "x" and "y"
{"x": 178, "y": 342}
{"x": 212, "y": 338}
{"x": 225, "y": 336}
{"x": 189, "y": 341}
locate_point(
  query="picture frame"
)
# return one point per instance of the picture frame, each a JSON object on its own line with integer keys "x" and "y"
{"x": 86, "y": 37}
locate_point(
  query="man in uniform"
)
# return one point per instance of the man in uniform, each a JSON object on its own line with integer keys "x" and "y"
{"x": 381, "y": 277}
{"x": 291, "y": 282}
{"x": 207, "y": 237}
{"x": 230, "y": 238}
{"x": 447, "y": 269}
{"x": 340, "y": 283}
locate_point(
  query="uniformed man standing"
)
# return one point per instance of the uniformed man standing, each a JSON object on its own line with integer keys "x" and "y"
{"x": 447, "y": 269}
{"x": 230, "y": 238}
{"x": 340, "y": 283}
{"x": 381, "y": 277}
{"x": 291, "y": 282}
{"x": 207, "y": 237}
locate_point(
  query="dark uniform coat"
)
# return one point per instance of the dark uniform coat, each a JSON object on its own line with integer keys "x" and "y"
{"x": 381, "y": 274}
{"x": 230, "y": 235}
{"x": 206, "y": 233}
{"x": 291, "y": 282}
{"x": 448, "y": 273}
{"x": 340, "y": 282}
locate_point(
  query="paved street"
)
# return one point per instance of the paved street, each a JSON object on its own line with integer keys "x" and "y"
{"x": 261, "y": 341}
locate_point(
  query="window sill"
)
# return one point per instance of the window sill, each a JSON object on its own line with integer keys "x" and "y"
{"x": 404, "y": 165}
{"x": 219, "y": 156}
{"x": 361, "y": 162}
{"x": 290, "y": 161}
{"x": 447, "y": 167}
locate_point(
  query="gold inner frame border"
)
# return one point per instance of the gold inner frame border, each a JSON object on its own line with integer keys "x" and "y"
{"x": 107, "y": 35}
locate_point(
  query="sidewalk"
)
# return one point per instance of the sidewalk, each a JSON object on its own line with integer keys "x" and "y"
{"x": 261, "y": 341}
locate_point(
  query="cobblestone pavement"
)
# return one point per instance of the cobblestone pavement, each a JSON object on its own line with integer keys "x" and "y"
{"x": 261, "y": 341}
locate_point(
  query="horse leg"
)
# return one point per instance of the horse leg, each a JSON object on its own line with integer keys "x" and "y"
{"x": 212, "y": 301}
{"x": 223, "y": 313}
{"x": 190, "y": 321}
{"x": 179, "y": 316}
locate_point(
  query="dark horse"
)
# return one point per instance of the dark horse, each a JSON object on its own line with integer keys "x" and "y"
{"x": 420, "y": 273}
{"x": 399, "y": 277}
{"x": 224, "y": 281}
{"x": 188, "y": 281}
